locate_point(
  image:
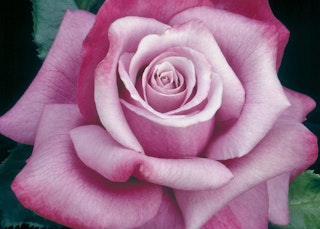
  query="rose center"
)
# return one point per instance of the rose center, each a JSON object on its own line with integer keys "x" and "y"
{"x": 165, "y": 78}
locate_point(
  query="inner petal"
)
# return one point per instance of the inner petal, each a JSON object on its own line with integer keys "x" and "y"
{"x": 164, "y": 86}
{"x": 168, "y": 82}
{"x": 165, "y": 78}
{"x": 169, "y": 73}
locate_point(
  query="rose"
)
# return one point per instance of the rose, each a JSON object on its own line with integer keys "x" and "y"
{"x": 237, "y": 111}
{"x": 227, "y": 136}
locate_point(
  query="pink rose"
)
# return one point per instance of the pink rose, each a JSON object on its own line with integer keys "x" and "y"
{"x": 163, "y": 114}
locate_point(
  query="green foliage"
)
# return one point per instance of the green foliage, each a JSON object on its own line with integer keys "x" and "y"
{"x": 47, "y": 16}
{"x": 304, "y": 202}
{"x": 89, "y": 5}
{"x": 12, "y": 213}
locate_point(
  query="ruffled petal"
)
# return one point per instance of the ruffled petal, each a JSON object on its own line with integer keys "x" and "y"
{"x": 58, "y": 186}
{"x": 55, "y": 82}
{"x": 96, "y": 44}
{"x": 278, "y": 191}
{"x": 250, "y": 48}
{"x": 96, "y": 148}
{"x": 289, "y": 146}
{"x": 247, "y": 211}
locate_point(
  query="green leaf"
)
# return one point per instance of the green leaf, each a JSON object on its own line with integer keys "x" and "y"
{"x": 304, "y": 202}
{"x": 47, "y": 16}
{"x": 89, "y": 5}
{"x": 12, "y": 213}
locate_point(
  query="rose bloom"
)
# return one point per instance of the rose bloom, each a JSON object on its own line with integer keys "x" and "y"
{"x": 163, "y": 114}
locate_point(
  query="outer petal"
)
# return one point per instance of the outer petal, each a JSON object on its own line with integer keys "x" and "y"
{"x": 96, "y": 44}
{"x": 55, "y": 82}
{"x": 96, "y": 148}
{"x": 278, "y": 190}
{"x": 247, "y": 211}
{"x": 250, "y": 48}
{"x": 301, "y": 105}
{"x": 58, "y": 186}
{"x": 287, "y": 147}
{"x": 259, "y": 10}
{"x": 169, "y": 214}
{"x": 278, "y": 186}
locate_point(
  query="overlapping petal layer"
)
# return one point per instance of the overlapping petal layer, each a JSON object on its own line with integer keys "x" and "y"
{"x": 58, "y": 186}
{"x": 96, "y": 148}
{"x": 122, "y": 38}
{"x": 250, "y": 48}
{"x": 96, "y": 44}
{"x": 297, "y": 143}
{"x": 248, "y": 210}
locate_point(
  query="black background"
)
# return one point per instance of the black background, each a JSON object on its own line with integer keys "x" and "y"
{"x": 300, "y": 69}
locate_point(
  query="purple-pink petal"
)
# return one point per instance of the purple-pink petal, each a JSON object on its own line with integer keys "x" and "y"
{"x": 278, "y": 191}
{"x": 57, "y": 185}
{"x": 56, "y": 81}
{"x": 297, "y": 144}
{"x": 247, "y": 211}
{"x": 178, "y": 136}
{"x": 169, "y": 214}
{"x": 96, "y": 44}
{"x": 257, "y": 10}
{"x": 181, "y": 39}
{"x": 300, "y": 105}
{"x": 96, "y": 148}
{"x": 122, "y": 38}
{"x": 250, "y": 48}
{"x": 233, "y": 93}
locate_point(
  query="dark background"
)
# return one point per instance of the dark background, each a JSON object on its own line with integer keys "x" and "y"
{"x": 300, "y": 69}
